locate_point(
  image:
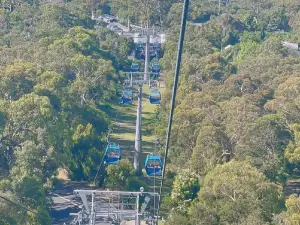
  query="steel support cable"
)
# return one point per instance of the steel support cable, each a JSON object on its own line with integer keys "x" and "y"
{"x": 25, "y": 208}
{"x": 176, "y": 75}
{"x": 98, "y": 170}
{"x": 154, "y": 211}
{"x": 110, "y": 130}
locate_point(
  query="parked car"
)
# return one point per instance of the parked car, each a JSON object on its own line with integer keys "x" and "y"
{"x": 110, "y": 25}
{"x": 115, "y": 28}
{"x": 109, "y": 18}
{"x": 112, "y": 20}
{"x": 106, "y": 19}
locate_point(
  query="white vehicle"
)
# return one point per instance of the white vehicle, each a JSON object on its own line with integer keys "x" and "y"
{"x": 106, "y": 19}
{"x": 113, "y": 19}
{"x": 109, "y": 18}
{"x": 115, "y": 28}
{"x": 110, "y": 25}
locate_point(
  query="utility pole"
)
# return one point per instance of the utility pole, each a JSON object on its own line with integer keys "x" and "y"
{"x": 128, "y": 23}
{"x": 147, "y": 56}
{"x": 223, "y": 36}
{"x": 92, "y": 8}
{"x": 137, "y": 219}
{"x": 138, "y": 129}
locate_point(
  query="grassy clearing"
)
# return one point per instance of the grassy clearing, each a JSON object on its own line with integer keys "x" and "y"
{"x": 124, "y": 130}
{"x": 124, "y": 127}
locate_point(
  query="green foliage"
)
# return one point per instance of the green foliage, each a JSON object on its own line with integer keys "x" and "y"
{"x": 185, "y": 186}
{"x": 146, "y": 9}
{"x": 85, "y": 151}
{"x": 81, "y": 133}
{"x": 233, "y": 192}
{"x": 119, "y": 176}
{"x": 292, "y": 152}
{"x": 286, "y": 97}
{"x": 208, "y": 150}
{"x": 246, "y": 49}
{"x": 292, "y": 214}
{"x": 54, "y": 75}
{"x": 49, "y": 81}
{"x": 18, "y": 79}
{"x": 266, "y": 148}
{"x": 134, "y": 184}
{"x": 8, "y": 213}
{"x": 40, "y": 216}
{"x": 31, "y": 190}
{"x": 240, "y": 104}
{"x": 177, "y": 219}
{"x": 237, "y": 105}
{"x": 293, "y": 209}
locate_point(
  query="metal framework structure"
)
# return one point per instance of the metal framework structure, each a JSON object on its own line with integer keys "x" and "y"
{"x": 111, "y": 207}
{"x": 154, "y": 38}
{"x": 138, "y": 78}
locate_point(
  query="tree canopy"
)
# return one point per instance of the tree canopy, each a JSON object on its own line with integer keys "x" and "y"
{"x": 234, "y": 146}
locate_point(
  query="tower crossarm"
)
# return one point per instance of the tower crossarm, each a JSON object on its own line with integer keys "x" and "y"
{"x": 138, "y": 78}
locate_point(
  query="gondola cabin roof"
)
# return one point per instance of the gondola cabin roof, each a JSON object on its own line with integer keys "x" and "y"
{"x": 154, "y": 92}
{"x": 127, "y": 96}
{"x": 155, "y": 96}
{"x": 112, "y": 154}
{"x": 127, "y": 92}
{"x": 112, "y": 147}
{"x": 152, "y": 157}
{"x": 153, "y": 165}
{"x": 155, "y": 65}
{"x": 135, "y": 66}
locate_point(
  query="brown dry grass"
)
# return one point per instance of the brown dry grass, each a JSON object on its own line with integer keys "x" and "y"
{"x": 63, "y": 174}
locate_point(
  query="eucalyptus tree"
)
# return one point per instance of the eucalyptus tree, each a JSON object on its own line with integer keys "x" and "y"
{"x": 235, "y": 192}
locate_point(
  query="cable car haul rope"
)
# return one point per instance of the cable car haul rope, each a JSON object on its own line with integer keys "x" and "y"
{"x": 176, "y": 75}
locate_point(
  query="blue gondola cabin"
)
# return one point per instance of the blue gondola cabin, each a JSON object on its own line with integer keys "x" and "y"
{"x": 155, "y": 67}
{"x": 112, "y": 154}
{"x": 139, "y": 46}
{"x": 135, "y": 67}
{"x": 156, "y": 46}
{"x": 154, "y": 96}
{"x": 127, "y": 97}
{"x": 153, "y": 165}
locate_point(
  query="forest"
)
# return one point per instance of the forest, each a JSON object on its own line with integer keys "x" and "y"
{"x": 235, "y": 141}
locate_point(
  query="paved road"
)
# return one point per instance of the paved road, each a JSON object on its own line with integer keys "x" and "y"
{"x": 65, "y": 202}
